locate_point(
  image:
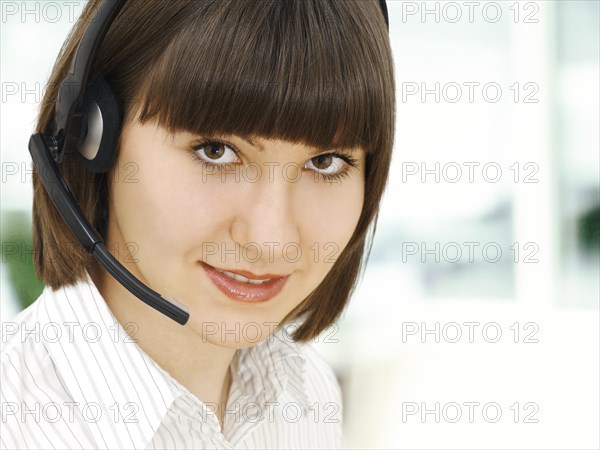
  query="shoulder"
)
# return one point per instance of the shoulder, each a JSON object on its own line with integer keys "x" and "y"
{"x": 15, "y": 331}
{"x": 36, "y": 406}
{"x": 23, "y": 348}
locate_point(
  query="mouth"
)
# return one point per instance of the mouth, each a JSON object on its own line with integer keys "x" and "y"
{"x": 248, "y": 289}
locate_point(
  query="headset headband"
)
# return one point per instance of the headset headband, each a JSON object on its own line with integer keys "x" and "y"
{"x": 73, "y": 87}
{"x": 85, "y": 119}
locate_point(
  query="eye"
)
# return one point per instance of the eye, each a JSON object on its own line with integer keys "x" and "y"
{"x": 330, "y": 163}
{"x": 216, "y": 153}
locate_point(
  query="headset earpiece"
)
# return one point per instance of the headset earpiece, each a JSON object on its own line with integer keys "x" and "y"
{"x": 100, "y": 126}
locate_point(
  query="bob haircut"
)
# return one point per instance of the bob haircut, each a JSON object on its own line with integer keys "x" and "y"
{"x": 312, "y": 71}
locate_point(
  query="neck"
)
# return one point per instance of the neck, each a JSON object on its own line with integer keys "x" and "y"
{"x": 199, "y": 365}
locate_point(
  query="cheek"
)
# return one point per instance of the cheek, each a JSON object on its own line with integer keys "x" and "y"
{"x": 329, "y": 222}
{"x": 167, "y": 207}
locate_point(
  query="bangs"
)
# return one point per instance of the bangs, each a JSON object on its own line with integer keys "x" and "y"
{"x": 306, "y": 71}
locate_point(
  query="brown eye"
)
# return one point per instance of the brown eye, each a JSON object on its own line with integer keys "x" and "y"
{"x": 329, "y": 163}
{"x": 322, "y": 161}
{"x": 214, "y": 151}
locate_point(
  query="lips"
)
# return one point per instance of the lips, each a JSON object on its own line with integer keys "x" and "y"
{"x": 245, "y": 289}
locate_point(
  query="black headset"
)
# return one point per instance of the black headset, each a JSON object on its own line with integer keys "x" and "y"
{"x": 88, "y": 117}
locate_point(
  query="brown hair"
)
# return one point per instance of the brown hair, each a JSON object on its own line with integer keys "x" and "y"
{"x": 309, "y": 71}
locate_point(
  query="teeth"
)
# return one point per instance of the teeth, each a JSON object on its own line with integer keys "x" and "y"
{"x": 237, "y": 277}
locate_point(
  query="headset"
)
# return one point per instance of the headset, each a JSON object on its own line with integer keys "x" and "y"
{"x": 87, "y": 122}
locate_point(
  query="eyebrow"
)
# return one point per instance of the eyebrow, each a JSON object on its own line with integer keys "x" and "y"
{"x": 314, "y": 151}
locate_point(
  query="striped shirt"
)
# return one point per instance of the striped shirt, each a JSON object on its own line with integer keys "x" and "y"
{"x": 71, "y": 377}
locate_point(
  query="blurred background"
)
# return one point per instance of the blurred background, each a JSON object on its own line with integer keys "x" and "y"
{"x": 476, "y": 321}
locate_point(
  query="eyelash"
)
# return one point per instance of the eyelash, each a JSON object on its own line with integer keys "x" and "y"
{"x": 349, "y": 160}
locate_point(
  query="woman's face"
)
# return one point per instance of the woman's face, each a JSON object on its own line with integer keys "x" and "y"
{"x": 267, "y": 212}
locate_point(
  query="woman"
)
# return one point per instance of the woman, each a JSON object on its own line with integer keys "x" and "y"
{"x": 254, "y": 152}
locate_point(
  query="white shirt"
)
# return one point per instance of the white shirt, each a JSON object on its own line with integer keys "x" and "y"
{"x": 72, "y": 378}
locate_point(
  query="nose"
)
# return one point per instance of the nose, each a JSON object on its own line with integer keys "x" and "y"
{"x": 266, "y": 226}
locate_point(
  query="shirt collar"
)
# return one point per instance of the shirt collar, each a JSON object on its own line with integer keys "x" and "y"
{"x": 122, "y": 392}
{"x": 271, "y": 367}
